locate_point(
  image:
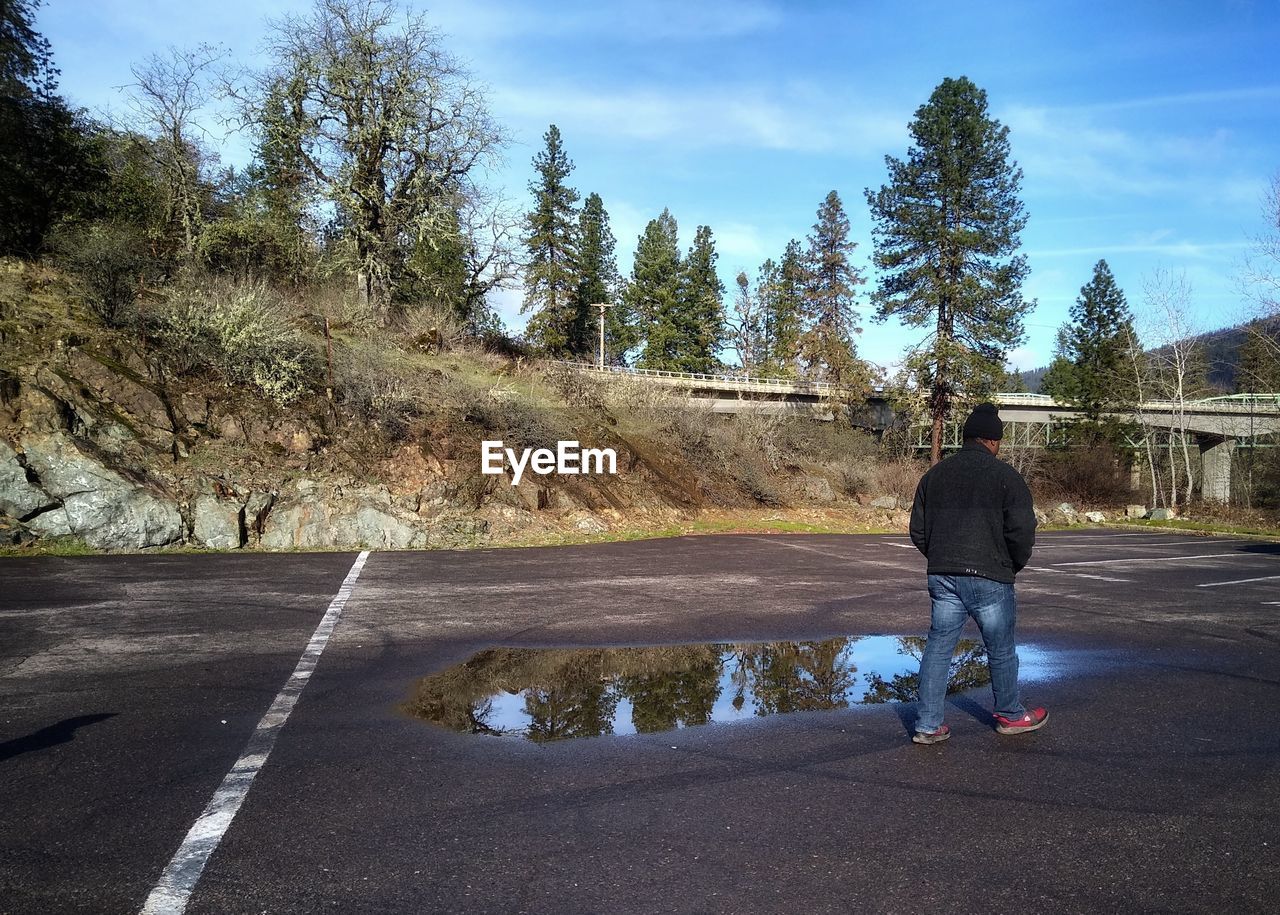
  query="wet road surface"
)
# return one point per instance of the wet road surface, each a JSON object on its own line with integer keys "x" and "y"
{"x": 130, "y": 686}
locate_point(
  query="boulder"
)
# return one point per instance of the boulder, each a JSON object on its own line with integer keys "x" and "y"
{"x": 1135, "y": 511}
{"x": 362, "y": 517}
{"x": 14, "y": 533}
{"x": 99, "y": 505}
{"x": 889, "y": 502}
{"x": 1161, "y": 514}
{"x": 817, "y": 489}
{"x": 19, "y": 497}
{"x": 590, "y": 524}
{"x": 217, "y": 523}
{"x": 1067, "y": 512}
{"x": 1095, "y": 517}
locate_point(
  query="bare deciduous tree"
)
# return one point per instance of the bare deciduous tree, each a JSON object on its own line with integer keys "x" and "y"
{"x": 166, "y": 98}
{"x": 1178, "y": 363}
{"x": 395, "y": 128}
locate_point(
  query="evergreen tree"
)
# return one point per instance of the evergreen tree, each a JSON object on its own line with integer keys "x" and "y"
{"x": 598, "y": 281}
{"x": 826, "y": 347}
{"x": 48, "y": 164}
{"x": 700, "y": 318}
{"x": 946, "y": 231}
{"x": 559, "y": 321}
{"x": 1090, "y": 370}
{"x": 654, "y": 292}
{"x": 780, "y": 288}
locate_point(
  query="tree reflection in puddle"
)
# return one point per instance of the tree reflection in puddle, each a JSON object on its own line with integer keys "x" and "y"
{"x": 560, "y": 693}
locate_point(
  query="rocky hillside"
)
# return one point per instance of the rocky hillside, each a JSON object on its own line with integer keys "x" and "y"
{"x": 107, "y": 439}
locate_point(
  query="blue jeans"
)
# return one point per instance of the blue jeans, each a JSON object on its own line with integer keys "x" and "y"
{"x": 992, "y": 605}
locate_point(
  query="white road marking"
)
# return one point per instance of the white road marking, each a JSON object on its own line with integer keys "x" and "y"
{"x": 173, "y": 892}
{"x": 1103, "y": 562}
{"x": 902, "y": 546}
{"x": 1076, "y": 574}
{"x": 1238, "y": 581}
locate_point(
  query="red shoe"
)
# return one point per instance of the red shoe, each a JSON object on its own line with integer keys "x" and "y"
{"x": 1032, "y": 720}
{"x": 941, "y": 734}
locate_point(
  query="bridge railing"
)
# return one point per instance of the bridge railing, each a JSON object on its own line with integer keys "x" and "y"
{"x": 782, "y": 385}
{"x": 1244, "y": 404}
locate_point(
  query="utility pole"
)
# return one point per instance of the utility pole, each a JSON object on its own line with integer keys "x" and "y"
{"x": 602, "y": 306}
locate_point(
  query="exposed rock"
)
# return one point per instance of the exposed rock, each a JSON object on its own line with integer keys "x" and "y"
{"x": 1041, "y": 517}
{"x": 357, "y": 517}
{"x": 256, "y": 507}
{"x": 99, "y": 505}
{"x": 53, "y": 523}
{"x": 889, "y": 502}
{"x": 19, "y": 497}
{"x": 457, "y": 533}
{"x": 1095, "y": 517}
{"x": 435, "y": 497}
{"x": 1161, "y": 514}
{"x": 15, "y": 533}
{"x": 590, "y": 524}
{"x": 1135, "y": 511}
{"x": 1067, "y": 512}
{"x": 819, "y": 489}
{"x": 217, "y": 524}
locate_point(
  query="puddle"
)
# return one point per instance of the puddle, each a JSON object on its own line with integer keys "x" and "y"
{"x": 563, "y": 693}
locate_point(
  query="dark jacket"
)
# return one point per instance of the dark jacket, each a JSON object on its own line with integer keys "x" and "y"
{"x": 973, "y": 516}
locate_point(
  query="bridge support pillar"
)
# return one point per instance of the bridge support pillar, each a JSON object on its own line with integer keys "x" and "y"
{"x": 1215, "y": 461}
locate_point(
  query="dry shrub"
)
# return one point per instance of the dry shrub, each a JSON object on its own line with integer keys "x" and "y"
{"x": 244, "y": 330}
{"x": 898, "y": 477}
{"x": 431, "y": 329}
{"x": 379, "y": 386}
{"x": 499, "y": 414}
{"x": 1094, "y": 474}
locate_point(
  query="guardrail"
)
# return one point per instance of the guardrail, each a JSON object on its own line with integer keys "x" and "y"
{"x": 1246, "y": 404}
{"x": 780, "y": 384}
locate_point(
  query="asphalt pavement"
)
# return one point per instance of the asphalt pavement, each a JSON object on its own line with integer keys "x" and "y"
{"x": 131, "y": 685}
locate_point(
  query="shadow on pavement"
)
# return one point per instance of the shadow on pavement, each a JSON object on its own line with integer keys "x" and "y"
{"x": 62, "y": 732}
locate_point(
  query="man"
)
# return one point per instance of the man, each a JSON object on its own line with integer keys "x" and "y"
{"x": 973, "y": 520}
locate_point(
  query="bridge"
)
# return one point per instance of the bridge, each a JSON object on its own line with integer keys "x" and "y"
{"x": 1217, "y": 425}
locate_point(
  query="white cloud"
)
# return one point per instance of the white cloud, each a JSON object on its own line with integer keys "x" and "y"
{"x": 635, "y": 22}
{"x": 735, "y": 116}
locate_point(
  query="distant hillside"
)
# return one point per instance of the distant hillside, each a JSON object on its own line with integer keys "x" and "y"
{"x": 1222, "y": 350}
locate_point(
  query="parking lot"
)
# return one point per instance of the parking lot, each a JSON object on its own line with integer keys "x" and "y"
{"x": 134, "y": 689}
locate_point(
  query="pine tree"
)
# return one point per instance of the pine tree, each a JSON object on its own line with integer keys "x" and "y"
{"x": 1090, "y": 369}
{"x": 653, "y": 294}
{"x": 826, "y": 347}
{"x": 780, "y": 288}
{"x": 598, "y": 282}
{"x": 701, "y": 315}
{"x": 946, "y": 231}
{"x": 559, "y": 322}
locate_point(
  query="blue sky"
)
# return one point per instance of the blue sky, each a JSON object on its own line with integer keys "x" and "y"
{"x": 1146, "y": 131}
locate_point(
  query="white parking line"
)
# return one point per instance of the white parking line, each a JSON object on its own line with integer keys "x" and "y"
{"x": 1076, "y": 574}
{"x": 173, "y": 892}
{"x": 1238, "y": 581}
{"x": 1103, "y": 562}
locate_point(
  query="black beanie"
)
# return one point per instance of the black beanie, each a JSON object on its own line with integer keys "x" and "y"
{"x": 984, "y": 422}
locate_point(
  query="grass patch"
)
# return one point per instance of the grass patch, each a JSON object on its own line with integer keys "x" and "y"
{"x": 51, "y": 546}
